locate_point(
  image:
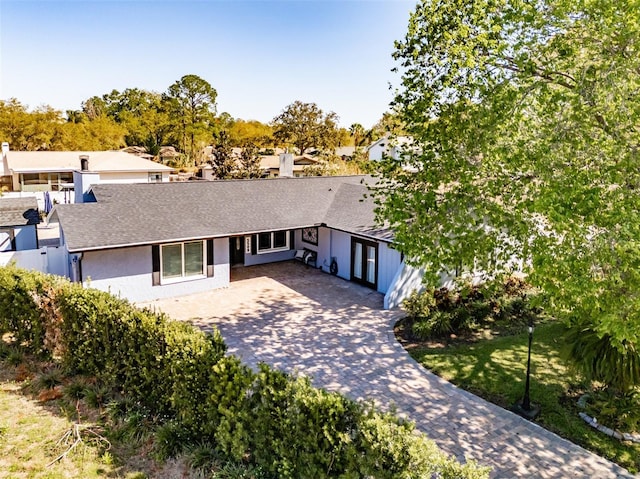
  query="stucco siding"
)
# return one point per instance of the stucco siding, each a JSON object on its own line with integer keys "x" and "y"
{"x": 127, "y": 272}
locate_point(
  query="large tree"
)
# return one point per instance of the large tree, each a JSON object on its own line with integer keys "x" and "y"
{"x": 526, "y": 117}
{"x": 304, "y": 126}
{"x": 193, "y": 105}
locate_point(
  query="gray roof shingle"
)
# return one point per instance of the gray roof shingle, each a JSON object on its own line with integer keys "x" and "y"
{"x": 136, "y": 214}
{"x": 19, "y": 211}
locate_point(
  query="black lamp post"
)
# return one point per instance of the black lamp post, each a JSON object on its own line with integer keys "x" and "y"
{"x": 525, "y": 408}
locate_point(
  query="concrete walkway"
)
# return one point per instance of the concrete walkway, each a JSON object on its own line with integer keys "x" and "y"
{"x": 299, "y": 319}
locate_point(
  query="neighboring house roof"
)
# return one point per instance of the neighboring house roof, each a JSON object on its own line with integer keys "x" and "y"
{"x": 388, "y": 141}
{"x": 168, "y": 152}
{"x": 345, "y": 150}
{"x": 137, "y": 214}
{"x": 19, "y": 211}
{"x": 99, "y": 161}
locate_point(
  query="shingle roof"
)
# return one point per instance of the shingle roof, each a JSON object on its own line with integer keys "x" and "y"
{"x": 137, "y": 214}
{"x": 19, "y": 211}
{"x": 99, "y": 161}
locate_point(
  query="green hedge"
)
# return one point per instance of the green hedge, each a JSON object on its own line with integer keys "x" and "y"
{"x": 280, "y": 423}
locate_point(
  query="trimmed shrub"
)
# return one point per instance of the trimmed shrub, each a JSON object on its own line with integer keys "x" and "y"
{"x": 20, "y": 313}
{"x": 298, "y": 430}
{"x": 108, "y": 338}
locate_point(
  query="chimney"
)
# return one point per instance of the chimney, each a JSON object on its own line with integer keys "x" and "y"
{"x": 84, "y": 162}
{"x": 5, "y": 164}
{"x": 286, "y": 165}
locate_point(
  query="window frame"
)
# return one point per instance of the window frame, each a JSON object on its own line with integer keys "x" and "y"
{"x": 183, "y": 277}
{"x": 272, "y": 249}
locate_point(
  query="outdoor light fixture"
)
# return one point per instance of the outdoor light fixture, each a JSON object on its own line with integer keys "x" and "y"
{"x": 525, "y": 408}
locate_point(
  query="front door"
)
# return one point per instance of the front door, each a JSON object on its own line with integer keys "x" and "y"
{"x": 236, "y": 250}
{"x": 364, "y": 262}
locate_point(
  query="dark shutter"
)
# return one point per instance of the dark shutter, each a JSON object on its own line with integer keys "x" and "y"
{"x": 209, "y": 258}
{"x": 292, "y": 239}
{"x": 254, "y": 244}
{"x": 155, "y": 264}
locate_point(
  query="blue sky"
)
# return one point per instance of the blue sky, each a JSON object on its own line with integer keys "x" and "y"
{"x": 259, "y": 55}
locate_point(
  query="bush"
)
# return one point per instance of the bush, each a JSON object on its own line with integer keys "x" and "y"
{"x": 419, "y": 305}
{"x": 434, "y": 313}
{"x": 298, "y": 430}
{"x": 20, "y": 313}
{"x": 435, "y": 325}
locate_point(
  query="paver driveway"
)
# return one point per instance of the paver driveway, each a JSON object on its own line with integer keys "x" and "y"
{"x": 299, "y": 319}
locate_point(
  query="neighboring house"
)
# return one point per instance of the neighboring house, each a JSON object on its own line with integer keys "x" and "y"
{"x": 34, "y": 172}
{"x": 389, "y": 147}
{"x": 273, "y": 166}
{"x": 19, "y": 218}
{"x": 346, "y": 153}
{"x": 151, "y": 241}
{"x": 167, "y": 154}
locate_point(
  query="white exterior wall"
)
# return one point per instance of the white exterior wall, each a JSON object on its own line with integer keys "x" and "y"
{"x": 376, "y": 151}
{"x": 340, "y": 249}
{"x": 389, "y": 262}
{"x": 130, "y": 176}
{"x": 51, "y": 260}
{"x": 127, "y": 272}
{"x": 26, "y": 237}
{"x": 407, "y": 279}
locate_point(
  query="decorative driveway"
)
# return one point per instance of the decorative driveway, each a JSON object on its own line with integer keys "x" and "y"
{"x": 301, "y": 320}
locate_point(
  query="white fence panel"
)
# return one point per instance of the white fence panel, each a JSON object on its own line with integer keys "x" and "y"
{"x": 47, "y": 259}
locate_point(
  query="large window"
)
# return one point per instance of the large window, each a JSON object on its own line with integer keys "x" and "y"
{"x": 45, "y": 181}
{"x": 273, "y": 241}
{"x": 182, "y": 260}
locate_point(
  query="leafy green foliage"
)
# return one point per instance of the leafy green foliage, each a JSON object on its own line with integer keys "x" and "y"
{"x": 619, "y": 411}
{"x": 526, "y": 130}
{"x": 304, "y": 126}
{"x": 433, "y": 313}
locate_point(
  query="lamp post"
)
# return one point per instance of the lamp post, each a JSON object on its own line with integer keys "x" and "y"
{"x": 525, "y": 408}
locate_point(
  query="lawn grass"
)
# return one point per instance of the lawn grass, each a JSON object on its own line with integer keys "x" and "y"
{"x": 495, "y": 370}
{"x": 28, "y": 436}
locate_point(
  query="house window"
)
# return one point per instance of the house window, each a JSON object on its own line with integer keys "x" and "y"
{"x": 274, "y": 241}
{"x": 155, "y": 177}
{"x": 182, "y": 260}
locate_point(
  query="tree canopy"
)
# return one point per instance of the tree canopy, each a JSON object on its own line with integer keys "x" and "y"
{"x": 526, "y": 122}
{"x": 192, "y": 102}
{"x": 304, "y": 126}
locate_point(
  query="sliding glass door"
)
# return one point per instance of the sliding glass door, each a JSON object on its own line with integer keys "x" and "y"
{"x": 364, "y": 262}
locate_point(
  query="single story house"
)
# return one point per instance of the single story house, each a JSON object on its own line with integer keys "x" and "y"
{"x": 19, "y": 218}
{"x": 148, "y": 241}
{"x": 39, "y": 171}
